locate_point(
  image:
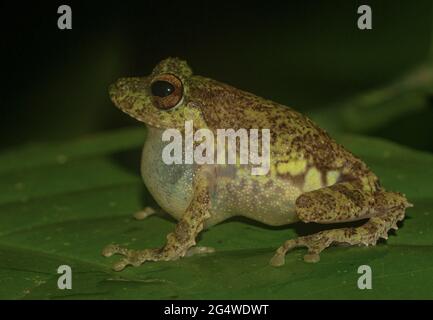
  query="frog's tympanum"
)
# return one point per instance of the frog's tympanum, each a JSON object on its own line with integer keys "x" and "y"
{"x": 311, "y": 177}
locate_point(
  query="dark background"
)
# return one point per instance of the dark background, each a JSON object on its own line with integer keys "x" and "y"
{"x": 305, "y": 54}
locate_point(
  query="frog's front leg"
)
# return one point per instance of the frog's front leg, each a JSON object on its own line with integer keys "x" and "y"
{"x": 344, "y": 202}
{"x": 145, "y": 213}
{"x": 181, "y": 241}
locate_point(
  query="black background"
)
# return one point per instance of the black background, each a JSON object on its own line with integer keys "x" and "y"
{"x": 305, "y": 54}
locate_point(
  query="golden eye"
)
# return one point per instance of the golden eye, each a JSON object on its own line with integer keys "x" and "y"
{"x": 167, "y": 91}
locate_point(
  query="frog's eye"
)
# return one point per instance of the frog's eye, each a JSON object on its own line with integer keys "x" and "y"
{"x": 167, "y": 91}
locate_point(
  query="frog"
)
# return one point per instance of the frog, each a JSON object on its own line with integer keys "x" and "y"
{"x": 311, "y": 179}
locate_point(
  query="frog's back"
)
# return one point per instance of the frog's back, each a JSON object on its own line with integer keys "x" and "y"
{"x": 300, "y": 150}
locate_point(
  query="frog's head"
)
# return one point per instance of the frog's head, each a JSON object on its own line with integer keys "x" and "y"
{"x": 162, "y": 99}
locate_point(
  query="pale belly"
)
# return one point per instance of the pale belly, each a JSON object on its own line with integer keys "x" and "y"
{"x": 170, "y": 185}
{"x": 234, "y": 191}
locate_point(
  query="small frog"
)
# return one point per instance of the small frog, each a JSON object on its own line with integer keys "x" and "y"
{"x": 311, "y": 177}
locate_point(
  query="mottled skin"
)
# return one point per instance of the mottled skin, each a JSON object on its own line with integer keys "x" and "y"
{"x": 312, "y": 178}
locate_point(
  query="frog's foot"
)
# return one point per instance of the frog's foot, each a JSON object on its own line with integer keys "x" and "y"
{"x": 143, "y": 214}
{"x": 315, "y": 243}
{"x": 137, "y": 257}
{"x": 199, "y": 250}
{"x": 367, "y": 234}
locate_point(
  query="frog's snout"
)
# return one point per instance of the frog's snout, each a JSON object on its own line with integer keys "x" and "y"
{"x": 124, "y": 88}
{"x": 115, "y": 91}
{"x": 130, "y": 95}
{"x": 112, "y": 91}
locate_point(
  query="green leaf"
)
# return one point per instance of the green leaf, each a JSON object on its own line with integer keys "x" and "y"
{"x": 378, "y": 107}
{"x": 62, "y": 203}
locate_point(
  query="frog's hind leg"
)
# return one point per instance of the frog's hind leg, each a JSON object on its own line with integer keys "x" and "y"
{"x": 344, "y": 202}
